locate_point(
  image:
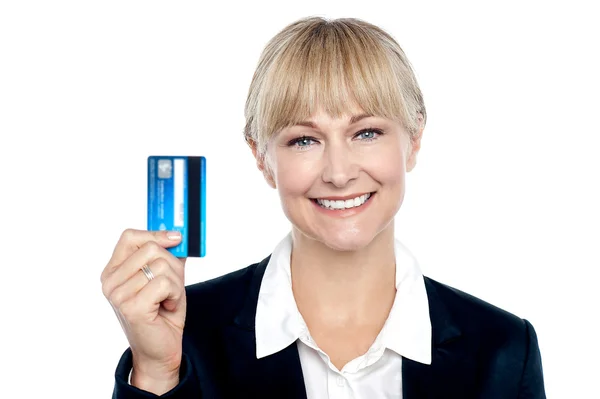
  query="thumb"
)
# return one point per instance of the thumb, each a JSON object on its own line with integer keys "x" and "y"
{"x": 167, "y": 238}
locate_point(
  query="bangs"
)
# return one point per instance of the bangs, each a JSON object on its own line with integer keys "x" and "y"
{"x": 339, "y": 67}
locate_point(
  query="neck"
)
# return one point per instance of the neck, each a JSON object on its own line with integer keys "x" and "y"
{"x": 344, "y": 287}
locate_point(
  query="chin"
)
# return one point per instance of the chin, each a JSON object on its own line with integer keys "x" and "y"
{"x": 347, "y": 240}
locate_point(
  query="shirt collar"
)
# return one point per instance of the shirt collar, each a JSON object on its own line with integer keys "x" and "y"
{"x": 278, "y": 323}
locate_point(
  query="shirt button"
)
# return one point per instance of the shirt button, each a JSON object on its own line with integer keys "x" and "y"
{"x": 340, "y": 381}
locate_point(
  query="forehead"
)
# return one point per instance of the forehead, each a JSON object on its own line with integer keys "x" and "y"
{"x": 351, "y": 117}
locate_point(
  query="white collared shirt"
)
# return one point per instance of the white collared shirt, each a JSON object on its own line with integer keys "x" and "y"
{"x": 375, "y": 374}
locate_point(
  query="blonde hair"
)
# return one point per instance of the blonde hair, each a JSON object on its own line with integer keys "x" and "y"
{"x": 316, "y": 62}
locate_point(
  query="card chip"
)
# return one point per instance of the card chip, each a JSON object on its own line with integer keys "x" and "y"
{"x": 165, "y": 168}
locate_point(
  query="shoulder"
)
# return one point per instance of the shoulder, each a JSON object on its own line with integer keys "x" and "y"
{"x": 505, "y": 344}
{"x": 221, "y": 298}
{"x": 477, "y": 318}
{"x": 224, "y": 285}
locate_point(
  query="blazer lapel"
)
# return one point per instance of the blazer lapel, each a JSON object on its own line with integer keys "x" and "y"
{"x": 280, "y": 375}
{"x": 451, "y": 365}
{"x": 275, "y": 376}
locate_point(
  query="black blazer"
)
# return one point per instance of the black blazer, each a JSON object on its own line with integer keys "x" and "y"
{"x": 479, "y": 350}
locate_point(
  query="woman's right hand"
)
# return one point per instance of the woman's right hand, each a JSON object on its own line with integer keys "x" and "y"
{"x": 151, "y": 312}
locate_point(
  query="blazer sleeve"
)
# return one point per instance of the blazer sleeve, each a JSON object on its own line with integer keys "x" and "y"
{"x": 188, "y": 386}
{"x": 532, "y": 379}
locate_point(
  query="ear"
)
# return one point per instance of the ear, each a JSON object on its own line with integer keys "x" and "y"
{"x": 415, "y": 146}
{"x": 262, "y": 165}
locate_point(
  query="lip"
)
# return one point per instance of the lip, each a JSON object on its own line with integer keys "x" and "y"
{"x": 347, "y": 197}
{"x": 344, "y": 213}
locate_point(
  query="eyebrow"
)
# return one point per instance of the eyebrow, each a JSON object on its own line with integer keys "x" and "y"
{"x": 353, "y": 120}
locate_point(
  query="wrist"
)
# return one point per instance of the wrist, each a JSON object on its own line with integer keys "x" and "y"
{"x": 158, "y": 385}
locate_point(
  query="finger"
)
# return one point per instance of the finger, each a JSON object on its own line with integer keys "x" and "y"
{"x": 143, "y": 307}
{"x": 122, "y": 293}
{"x": 131, "y": 240}
{"x": 146, "y": 255}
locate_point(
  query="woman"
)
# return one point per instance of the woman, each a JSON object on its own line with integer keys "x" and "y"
{"x": 340, "y": 308}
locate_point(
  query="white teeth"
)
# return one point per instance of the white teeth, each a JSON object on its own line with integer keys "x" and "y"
{"x": 341, "y": 204}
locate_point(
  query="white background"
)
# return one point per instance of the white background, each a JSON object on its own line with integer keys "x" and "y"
{"x": 503, "y": 202}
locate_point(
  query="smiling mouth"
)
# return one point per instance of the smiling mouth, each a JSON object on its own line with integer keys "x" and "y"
{"x": 335, "y": 204}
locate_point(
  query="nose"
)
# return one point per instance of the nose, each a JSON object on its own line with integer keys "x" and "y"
{"x": 340, "y": 166}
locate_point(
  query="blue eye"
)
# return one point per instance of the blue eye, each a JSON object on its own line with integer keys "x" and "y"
{"x": 369, "y": 134}
{"x": 302, "y": 142}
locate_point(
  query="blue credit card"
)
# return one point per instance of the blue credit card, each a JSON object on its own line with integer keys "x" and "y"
{"x": 177, "y": 201}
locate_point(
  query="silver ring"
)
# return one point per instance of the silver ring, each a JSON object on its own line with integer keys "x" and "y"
{"x": 147, "y": 272}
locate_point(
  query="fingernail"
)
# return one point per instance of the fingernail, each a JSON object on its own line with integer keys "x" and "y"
{"x": 173, "y": 235}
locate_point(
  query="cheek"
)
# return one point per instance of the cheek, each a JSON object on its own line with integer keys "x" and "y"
{"x": 296, "y": 174}
{"x": 388, "y": 166}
